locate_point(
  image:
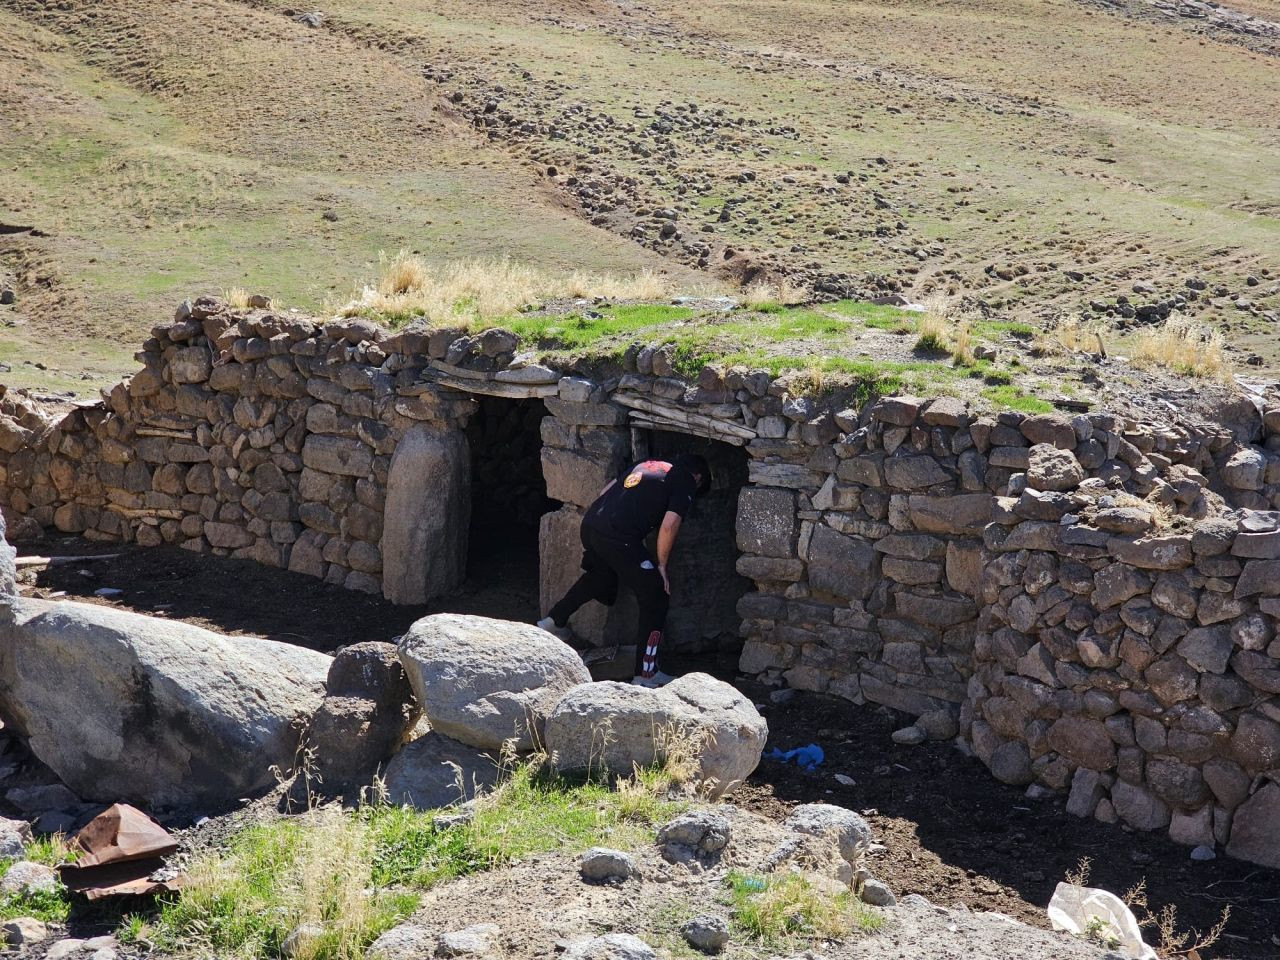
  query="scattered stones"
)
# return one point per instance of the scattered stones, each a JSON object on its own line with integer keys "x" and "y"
{"x": 851, "y": 833}
{"x": 602, "y": 864}
{"x": 473, "y": 941}
{"x": 611, "y": 946}
{"x": 909, "y": 736}
{"x": 877, "y": 894}
{"x": 27, "y": 878}
{"x": 699, "y": 833}
{"x": 706, "y": 932}
{"x": 24, "y": 931}
{"x": 409, "y": 941}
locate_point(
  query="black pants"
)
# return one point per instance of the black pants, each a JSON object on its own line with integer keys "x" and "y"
{"x": 606, "y": 562}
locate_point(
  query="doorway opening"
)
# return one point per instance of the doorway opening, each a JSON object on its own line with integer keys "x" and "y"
{"x": 508, "y": 499}
{"x": 702, "y": 625}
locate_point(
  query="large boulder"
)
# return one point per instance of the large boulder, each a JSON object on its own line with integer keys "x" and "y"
{"x": 488, "y": 682}
{"x": 435, "y": 771}
{"x": 613, "y": 727}
{"x": 162, "y": 714}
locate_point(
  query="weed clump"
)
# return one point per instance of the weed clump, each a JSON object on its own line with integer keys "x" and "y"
{"x": 778, "y": 909}
{"x": 1182, "y": 345}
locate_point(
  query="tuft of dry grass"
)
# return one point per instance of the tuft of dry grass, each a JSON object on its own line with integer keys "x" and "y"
{"x": 1071, "y": 334}
{"x": 782, "y": 294}
{"x": 237, "y": 298}
{"x": 1181, "y": 344}
{"x": 468, "y": 292}
{"x": 962, "y": 347}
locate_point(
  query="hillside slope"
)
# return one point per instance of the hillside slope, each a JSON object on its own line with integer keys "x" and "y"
{"x": 1024, "y": 157}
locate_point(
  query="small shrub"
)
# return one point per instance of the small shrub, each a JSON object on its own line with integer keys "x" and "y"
{"x": 962, "y": 349}
{"x": 773, "y": 298}
{"x": 1182, "y": 345}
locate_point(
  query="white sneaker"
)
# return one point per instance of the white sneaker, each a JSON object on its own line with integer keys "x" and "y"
{"x": 563, "y": 634}
{"x": 659, "y": 679}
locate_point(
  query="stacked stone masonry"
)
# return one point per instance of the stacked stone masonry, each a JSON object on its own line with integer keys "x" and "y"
{"x": 1090, "y": 603}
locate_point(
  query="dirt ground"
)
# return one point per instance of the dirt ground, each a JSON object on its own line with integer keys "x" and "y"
{"x": 953, "y": 834}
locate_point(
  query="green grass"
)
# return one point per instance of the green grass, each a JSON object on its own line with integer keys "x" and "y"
{"x": 49, "y": 906}
{"x": 1011, "y": 398}
{"x": 786, "y": 909}
{"x": 357, "y": 873}
{"x": 576, "y": 331}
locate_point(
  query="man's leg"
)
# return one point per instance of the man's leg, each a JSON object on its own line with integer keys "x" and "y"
{"x": 598, "y": 582}
{"x": 639, "y": 573}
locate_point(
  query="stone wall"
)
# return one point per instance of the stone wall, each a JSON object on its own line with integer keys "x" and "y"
{"x": 1089, "y": 601}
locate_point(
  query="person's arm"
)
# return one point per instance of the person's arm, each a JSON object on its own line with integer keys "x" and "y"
{"x": 666, "y": 540}
{"x": 607, "y": 487}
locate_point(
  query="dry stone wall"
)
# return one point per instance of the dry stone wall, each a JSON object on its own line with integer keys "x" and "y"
{"x": 1089, "y": 602}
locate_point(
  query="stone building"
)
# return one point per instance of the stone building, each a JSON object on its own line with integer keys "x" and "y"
{"x": 1088, "y": 602}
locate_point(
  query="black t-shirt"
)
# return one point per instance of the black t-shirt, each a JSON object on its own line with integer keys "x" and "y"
{"x": 636, "y": 504}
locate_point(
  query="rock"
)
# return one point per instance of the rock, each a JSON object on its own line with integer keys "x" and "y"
{"x": 409, "y": 941}
{"x": 938, "y": 724}
{"x": 842, "y": 566}
{"x": 1207, "y": 649}
{"x": 435, "y": 771}
{"x": 25, "y": 878}
{"x": 1170, "y": 552}
{"x": 706, "y": 932}
{"x": 1087, "y": 788}
{"x": 424, "y": 530}
{"x": 878, "y": 894}
{"x": 1253, "y": 829}
{"x": 14, "y": 837}
{"x": 153, "y": 711}
{"x": 24, "y": 931}
{"x": 601, "y": 863}
{"x": 1203, "y": 853}
{"x": 1052, "y": 468}
{"x": 1245, "y": 469}
{"x": 611, "y": 946}
{"x": 473, "y": 941}
{"x": 908, "y": 736}
{"x": 1130, "y": 520}
{"x": 1050, "y": 428}
{"x": 1011, "y": 764}
{"x": 846, "y": 828}
{"x": 366, "y": 715}
{"x": 1083, "y": 741}
{"x": 486, "y": 682}
{"x": 302, "y": 940}
{"x": 48, "y": 796}
{"x": 616, "y": 726}
{"x": 698, "y": 832}
{"x": 729, "y": 731}
{"x": 1213, "y": 536}
{"x": 1139, "y": 807}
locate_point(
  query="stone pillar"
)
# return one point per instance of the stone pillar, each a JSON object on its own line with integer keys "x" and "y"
{"x": 428, "y": 512}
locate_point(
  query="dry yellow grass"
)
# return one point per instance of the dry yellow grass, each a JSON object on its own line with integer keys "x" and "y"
{"x": 237, "y": 298}
{"x": 466, "y": 292}
{"x": 1071, "y": 334}
{"x": 784, "y": 293}
{"x": 1183, "y": 345}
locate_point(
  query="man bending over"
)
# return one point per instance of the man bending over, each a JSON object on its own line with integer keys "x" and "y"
{"x": 653, "y": 495}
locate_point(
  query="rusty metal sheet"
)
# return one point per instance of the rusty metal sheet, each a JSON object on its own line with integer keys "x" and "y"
{"x": 121, "y": 852}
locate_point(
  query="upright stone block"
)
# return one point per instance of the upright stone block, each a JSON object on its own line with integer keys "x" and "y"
{"x": 428, "y": 511}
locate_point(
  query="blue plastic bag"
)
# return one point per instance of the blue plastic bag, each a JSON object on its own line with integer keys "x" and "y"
{"x": 807, "y": 758}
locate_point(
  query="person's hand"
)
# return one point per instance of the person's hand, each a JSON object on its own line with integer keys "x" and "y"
{"x": 666, "y": 583}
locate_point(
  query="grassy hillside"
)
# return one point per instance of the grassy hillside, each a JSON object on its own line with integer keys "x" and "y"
{"x": 1025, "y": 158}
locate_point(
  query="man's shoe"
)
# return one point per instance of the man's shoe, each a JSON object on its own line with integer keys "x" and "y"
{"x": 658, "y": 679}
{"x": 563, "y": 634}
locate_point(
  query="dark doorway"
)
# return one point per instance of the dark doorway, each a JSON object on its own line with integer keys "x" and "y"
{"x": 702, "y": 626}
{"x": 508, "y": 498}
